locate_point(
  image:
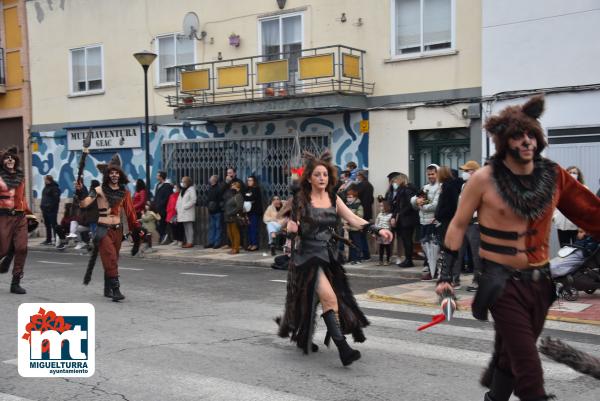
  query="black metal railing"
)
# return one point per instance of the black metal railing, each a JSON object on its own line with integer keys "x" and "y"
{"x": 346, "y": 76}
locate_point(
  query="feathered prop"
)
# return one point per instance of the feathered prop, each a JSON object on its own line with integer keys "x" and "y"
{"x": 572, "y": 357}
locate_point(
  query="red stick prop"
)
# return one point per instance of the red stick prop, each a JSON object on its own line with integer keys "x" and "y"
{"x": 434, "y": 320}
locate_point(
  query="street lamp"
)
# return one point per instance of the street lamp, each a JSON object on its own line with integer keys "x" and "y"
{"x": 145, "y": 58}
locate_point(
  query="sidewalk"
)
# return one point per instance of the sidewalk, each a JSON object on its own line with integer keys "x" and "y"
{"x": 585, "y": 310}
{"x": 261, "y": 258}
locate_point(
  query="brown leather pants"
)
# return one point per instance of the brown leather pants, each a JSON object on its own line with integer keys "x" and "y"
{"x": 109, "y": 248}
{"x": 13, "y": 234}
{"x": 519, "y": 316}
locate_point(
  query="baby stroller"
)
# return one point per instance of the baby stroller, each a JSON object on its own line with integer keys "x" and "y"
{"x": 572, "y": 272}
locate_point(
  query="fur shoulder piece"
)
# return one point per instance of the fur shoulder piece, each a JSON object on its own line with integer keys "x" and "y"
{"x": 12, "y": 180}
{"x": 527, "y": 195}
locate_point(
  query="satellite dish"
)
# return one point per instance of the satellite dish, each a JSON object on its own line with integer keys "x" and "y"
{"x": 191, "y": 23}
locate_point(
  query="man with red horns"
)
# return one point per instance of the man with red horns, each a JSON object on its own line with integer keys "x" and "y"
{"x": 515, "y": 197}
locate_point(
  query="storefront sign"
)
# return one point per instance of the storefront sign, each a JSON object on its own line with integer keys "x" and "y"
{"x": 129, "y": 136}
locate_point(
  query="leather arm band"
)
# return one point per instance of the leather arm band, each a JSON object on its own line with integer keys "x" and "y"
{"x": 446, "y": 259}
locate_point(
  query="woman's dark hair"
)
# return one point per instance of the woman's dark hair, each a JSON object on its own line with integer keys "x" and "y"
{"x": 253, "y": 179}
{"x": 311, "y": 163}
{"x": 444, "y": 174}
{"x": 139, "y": 185}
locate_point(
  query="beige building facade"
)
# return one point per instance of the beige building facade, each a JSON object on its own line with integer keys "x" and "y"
{"x": 417, "y": 64}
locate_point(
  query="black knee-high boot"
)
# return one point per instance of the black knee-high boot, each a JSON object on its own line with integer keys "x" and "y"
{"x": 501, "y": 387}
{"x": 15, "y": 286}
{"x": 116, "y": 292}
{"x": 107, "y": 287}
{"x": 347, "y": 354}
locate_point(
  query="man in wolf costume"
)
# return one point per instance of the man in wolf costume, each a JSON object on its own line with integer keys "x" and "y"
{"x": 515, "y": 197}
{"x": 112, "y": 199}
{"x": 14, "y": 218}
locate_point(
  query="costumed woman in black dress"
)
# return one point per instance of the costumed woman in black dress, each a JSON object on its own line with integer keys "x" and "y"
{"x": 315, "y": 273}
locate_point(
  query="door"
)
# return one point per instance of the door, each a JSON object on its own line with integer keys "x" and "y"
{"x": 444, "y": 147}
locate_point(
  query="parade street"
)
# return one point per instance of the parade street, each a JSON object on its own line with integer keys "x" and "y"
{"x": 200, "y": 331}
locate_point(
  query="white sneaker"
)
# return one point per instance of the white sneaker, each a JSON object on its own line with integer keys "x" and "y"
{"x": 81, "y": 245}
{"x": 71, "y": 235}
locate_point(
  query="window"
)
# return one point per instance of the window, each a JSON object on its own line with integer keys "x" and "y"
{"x": 282, "y": 34}
{"x": 86, "y": 69}
{"x": 421, "y": 26}
{"x": 173, "y": 50}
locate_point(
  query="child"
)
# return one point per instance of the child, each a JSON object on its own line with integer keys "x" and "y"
{"x": 355, "y": 206}
{"x": 149, "y": 220}
{"x": 383, "y": 221}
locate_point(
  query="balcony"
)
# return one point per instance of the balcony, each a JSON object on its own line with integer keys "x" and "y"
{"x": 305, "y": 82}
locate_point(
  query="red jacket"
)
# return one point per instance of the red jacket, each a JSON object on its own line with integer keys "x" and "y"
{"x": 139, "y": 201}
{"x": 171, "y": 206}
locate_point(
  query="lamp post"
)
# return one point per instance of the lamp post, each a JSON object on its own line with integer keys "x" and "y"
{"x": 145, "y": 58}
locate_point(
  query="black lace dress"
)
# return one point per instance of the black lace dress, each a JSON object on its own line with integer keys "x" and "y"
{"x": 317, "y": 250}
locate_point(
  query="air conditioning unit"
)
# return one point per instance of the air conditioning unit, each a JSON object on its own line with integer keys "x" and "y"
{"x": 472, "y": 111}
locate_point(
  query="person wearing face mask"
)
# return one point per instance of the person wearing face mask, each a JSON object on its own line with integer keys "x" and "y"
{"x": 174, "y": 229}
{"x": 186, "y": 210}
{"x": 567, "y": 231}
{"x": 471, "y": 240}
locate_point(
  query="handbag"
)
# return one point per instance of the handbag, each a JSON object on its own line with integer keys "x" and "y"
{"x": 242, "y": 219}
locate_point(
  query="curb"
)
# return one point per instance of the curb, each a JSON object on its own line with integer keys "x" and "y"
{"x": 373, "y": 295}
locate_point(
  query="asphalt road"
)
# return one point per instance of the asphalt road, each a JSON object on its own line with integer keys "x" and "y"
{"x": 206, "y": 332}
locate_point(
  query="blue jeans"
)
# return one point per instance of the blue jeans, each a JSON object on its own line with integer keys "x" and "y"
{"x": 253, "y": 230}
{"x": 355, "y": 253}
{"x": 214, "y": 229}
{"x": 364, "y": 246}
{"x": 272, "y": 227}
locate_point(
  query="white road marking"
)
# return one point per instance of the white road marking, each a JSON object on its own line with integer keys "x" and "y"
{"x": 279, "y": 281}
{"x": 10, "y": 361}
{"x": 9, "y": 397}
{"x": 205, "y": 274}
{"x": 54, "y": 263}
{"x": 130, "y": 268}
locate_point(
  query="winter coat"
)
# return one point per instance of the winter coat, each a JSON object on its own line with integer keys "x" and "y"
{"x": 271, "y": 214}
{"x": 404, "y": 213}
{"x": 186, "y": 205}
{"x": 162, "y": 193}
{"x": 448, "y": 200}
{"x": 365, "y": 194}
{"x": 139, "y": 202}
{"x": 233, "y": 206}
{"x": 427, "y": 211}
{"x": 214, "y": 198}
{"x": 253, "y": 195}
{"x": 50, "y": 198}
{"x": 383, "y": 220}
{"x": 149, "y": 220}
{"x": 172, "y": 206}
{"x": 357, "y": 209}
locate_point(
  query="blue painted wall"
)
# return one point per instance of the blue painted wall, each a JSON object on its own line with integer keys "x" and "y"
{"x": 53, "y": 158}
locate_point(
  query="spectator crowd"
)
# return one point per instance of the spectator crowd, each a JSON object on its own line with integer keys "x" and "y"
{"x": 239, "y": 216}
